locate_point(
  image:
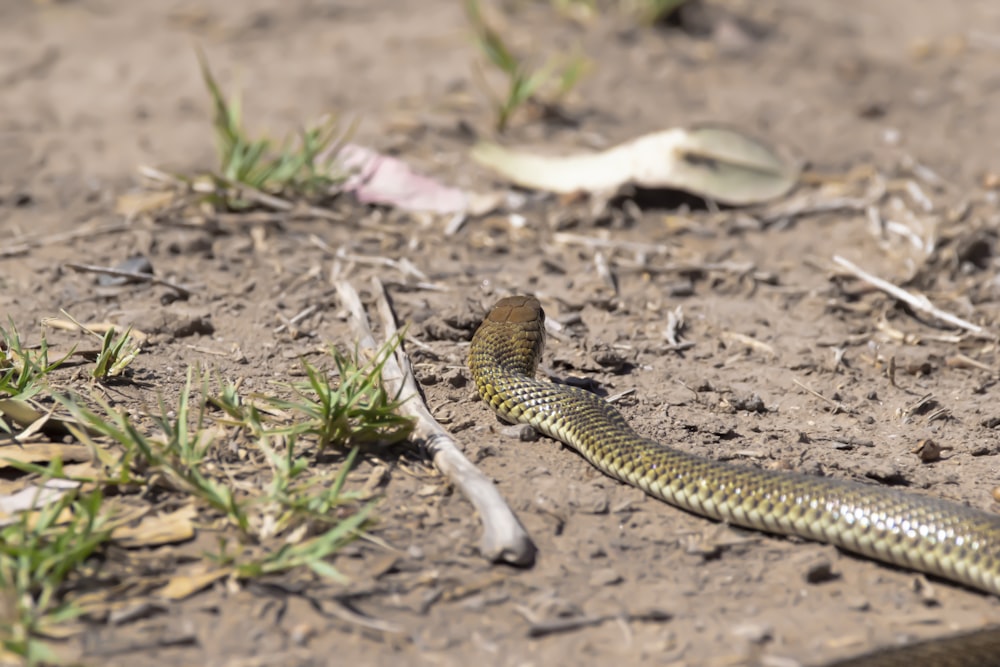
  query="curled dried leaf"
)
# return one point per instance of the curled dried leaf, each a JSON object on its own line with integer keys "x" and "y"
{"x": 712, "y": 162}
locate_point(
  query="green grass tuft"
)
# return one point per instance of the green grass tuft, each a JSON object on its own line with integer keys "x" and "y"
{"x": 524, "y": 83}
{"x": 304, "y": 167}
{"x": 39, "y": 555}
{"x": 22, "y": 371}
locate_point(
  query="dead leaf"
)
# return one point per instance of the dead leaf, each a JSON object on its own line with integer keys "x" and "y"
{"x": 157, "y": 530}
{"x": 136, "y": 203}
{"x": 42, "y": 452}
{"x": 712, "y": 162}
{"x": 51, "y": 630}
{"x": 185, "y": 585}
{"x": 96, "y": 328}
{"x": 33, "y": 497}
{"x": 24, "y": 414}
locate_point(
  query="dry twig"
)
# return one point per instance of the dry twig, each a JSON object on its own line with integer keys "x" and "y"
{"x": 837, "y": 405}
{"x": 24, "y": 244}
{"x": 504, "y": 539}
{"x": 560, "y": 625}
{"x": 918, "y": 302}
{"x": 133, "y": 275}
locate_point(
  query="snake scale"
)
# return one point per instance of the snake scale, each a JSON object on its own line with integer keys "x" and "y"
{"x": 918, "y": 532}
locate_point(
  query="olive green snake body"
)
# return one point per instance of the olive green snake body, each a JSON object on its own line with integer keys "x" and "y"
{"x": 912, "y": 531}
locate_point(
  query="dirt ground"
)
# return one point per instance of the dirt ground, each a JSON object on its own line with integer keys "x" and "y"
{"x": 788, "y": 367}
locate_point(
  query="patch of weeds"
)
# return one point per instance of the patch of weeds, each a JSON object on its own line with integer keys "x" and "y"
{"x": 174, "y": 459}
{"x": 358, "y": 411}
{"x": 38, "y": 555}
{"x": 353, "y": 413}
{"x": 302, "y": 516}
{"x": 524, "y": 83}
{"x": 301, "y": 168}
{"x": 304, "y": 503}
{"x": 299, "y": 499}
{"x": 314, "y": 514}
{"x": 116, "y": 352}
{"x": 115, "y": 355}
{"x": 23, "y": 371}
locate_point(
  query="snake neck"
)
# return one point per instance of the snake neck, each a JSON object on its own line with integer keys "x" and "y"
{"x": 505, "y": 349}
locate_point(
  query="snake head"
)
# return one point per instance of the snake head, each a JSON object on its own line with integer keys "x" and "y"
{"x": 514, "y": 333}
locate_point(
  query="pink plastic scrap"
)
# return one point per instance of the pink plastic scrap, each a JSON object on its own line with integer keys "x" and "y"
{"x": 381, "y": 179}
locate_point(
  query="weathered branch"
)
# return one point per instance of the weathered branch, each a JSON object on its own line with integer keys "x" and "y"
{"x": 504, "y": 538}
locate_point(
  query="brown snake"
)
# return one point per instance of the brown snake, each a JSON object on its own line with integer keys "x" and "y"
{"x": 916, "y": 532}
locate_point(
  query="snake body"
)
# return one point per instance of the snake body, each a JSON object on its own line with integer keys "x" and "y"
{"x": 918, "y": 532}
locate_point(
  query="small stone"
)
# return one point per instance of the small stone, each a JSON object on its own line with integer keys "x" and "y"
{"x": 428, "y": 490}
{"x": 858, "y": 603}
{"x": 605, "y": 577}
{"x": 598, "y": 552}
{"x": 301, "y": 634}
{"x": 590, "y": 499}
{"x": 751, "y": 403}
{"x": 483, "y": 453}
{"x": 926, "y": 591}
{"x": 474, "y": 603}
{"x": 820, "y": 572}
{"x": 755, "y": 633}
{"x": 522, "y": 432}
{"x": 456, "y": 379}
{"x": 429, "y": 379}
{"x": 929, "y": 451}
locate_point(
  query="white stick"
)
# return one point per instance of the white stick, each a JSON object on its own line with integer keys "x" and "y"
{"x": 919, "y": 302}
{"x": 504, "y": 539}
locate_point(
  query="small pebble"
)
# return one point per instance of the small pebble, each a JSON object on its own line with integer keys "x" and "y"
{"x": 483, "y": 453}
{"x": 755, "y": 633}
{"x": 590, "y": 499}
{"x": 891, "y": 136}
{"x": 751, "y": 403}
{"x": 926, "y": 591}
{"x": 456, "y": 379}
{"x": 929, "y": 451}
{"x": 779, "y": 661}
{"x": 301, "y": 634}
{"x": 605, "y": 577}
{"x": 820, "y": 572}
{"x": 598, "y": 552}
{"x": 522, "y": 432}
{"x": 429, "y": 490}
{"x": 858, "y": 604}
